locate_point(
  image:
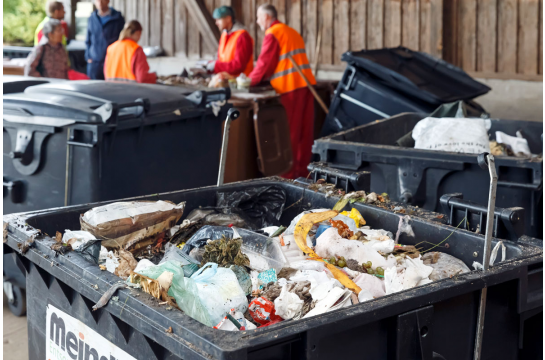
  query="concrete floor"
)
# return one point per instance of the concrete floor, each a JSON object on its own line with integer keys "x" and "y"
{"x": 15, "y": 335}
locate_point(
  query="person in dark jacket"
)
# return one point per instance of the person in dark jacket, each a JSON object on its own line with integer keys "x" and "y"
{"x": 103, "y": 29}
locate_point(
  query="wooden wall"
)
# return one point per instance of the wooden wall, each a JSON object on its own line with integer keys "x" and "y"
{"x": 496, "y": 38}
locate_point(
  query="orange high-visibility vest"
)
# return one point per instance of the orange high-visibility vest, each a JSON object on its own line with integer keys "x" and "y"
{"x": 228, "y": 48}
{"x": 119, "y": 60}
{"x": 285, "y": 77}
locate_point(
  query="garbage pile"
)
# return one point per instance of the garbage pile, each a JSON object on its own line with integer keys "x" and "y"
{"x": 185, "y": 78}
{"x": 233, "y": 267}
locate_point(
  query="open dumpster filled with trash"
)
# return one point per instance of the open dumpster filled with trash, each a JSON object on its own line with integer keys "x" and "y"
{"x": 270, "y": 269}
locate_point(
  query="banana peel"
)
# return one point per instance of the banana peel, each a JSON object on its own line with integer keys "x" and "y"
{"x": 300, "y": 235}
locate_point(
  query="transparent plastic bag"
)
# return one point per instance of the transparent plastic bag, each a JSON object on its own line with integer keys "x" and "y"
{"x": 209, "y": 294}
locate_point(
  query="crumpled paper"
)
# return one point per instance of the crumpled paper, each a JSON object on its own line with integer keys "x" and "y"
{"x": 288, "y": 304}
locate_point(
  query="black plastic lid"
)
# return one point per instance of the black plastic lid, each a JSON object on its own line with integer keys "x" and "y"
{"x": 417, "y": 74}
{"x": 84, "y": 100}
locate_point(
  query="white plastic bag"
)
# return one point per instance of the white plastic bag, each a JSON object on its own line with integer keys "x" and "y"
{"x": 80, "y": 238}
{"x": 209, "y": 294}
{"x": 460, "y": 135}
{"x": 288, "y": 304}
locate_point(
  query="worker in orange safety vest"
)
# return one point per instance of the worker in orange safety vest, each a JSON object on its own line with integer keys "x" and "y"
{"x": 236, "y": 46}
{"x": 274, "y": 64}
{"x": 125, "y": 59}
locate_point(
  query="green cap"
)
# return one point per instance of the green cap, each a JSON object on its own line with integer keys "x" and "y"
{"x": 222, "y": 12}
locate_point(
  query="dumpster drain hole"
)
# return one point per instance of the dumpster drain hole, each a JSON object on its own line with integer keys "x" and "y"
{"x": 424, "y": 331}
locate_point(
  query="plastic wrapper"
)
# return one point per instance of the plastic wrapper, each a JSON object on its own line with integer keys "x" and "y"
{"x": 122, "y": 224}
{"x": 77, "y": 238}
{"x": 173, "y": 253}
{"x": 347, "y": 220}
{"x": 90, "y": 250}
{"x": 264, "y": 205}
{"x": 263, "y": 312}
{"x": 444, "y": 265}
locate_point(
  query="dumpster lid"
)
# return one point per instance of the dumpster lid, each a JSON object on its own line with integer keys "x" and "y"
{"x": 417, "y": 74}
{"x": 83, "y": 100}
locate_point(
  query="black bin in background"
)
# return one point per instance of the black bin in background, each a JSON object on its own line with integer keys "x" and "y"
{"x": 381, "y": 83}
{"x": 88, "y": 141}
{"x": 421, "y": 177}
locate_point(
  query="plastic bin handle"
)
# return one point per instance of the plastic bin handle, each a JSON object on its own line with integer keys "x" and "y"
{"x": 348, "y": 83}
{"x": 348, "y": 180}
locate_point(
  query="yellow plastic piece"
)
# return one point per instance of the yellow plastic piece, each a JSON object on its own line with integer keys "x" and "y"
{"x": 355, "y": 215}
{"x": 300, "y": 234}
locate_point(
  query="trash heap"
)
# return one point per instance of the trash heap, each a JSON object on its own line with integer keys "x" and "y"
{"x": 232, "y": 267}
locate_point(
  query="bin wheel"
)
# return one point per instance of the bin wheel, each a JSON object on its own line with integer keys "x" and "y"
{"x": 18, "y": 305}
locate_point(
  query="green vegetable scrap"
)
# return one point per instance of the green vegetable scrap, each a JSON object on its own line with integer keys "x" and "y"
{"x": 225, "y": 252}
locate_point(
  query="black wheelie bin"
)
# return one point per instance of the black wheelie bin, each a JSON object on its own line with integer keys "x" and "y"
{"x": 420, "y": 177}
{"x": 385, "y": 82}
{"x": 434, "y": 321}
{"x": 86, "y": 141}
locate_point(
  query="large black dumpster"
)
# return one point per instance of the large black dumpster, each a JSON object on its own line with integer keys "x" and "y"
{"x": 87, "y": 141}
{"x": 384, "y": 82}
{"x": 421, "y": 177}
{"x": 438, "y": 319}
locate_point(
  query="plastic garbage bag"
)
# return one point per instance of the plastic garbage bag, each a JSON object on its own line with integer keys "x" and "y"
{"x": 221, "y": 217}
{"x": 444, "y": 265}
{"x": 209, "y": 294}
{"x": 460, "y": 135}
{"x": 243, "y": 278}
{"x": 90, "y": 250}
{"x": 142, "y": 265}
{"x": 264, "y": 204}
{"x": 154, "y": 271}
{"x": 288, "y": 304}
{"x": 331, "y": 244}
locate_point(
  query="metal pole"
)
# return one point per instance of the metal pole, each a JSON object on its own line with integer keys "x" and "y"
{"x": 487, "y": 248}
{"x": 232, "y": 114}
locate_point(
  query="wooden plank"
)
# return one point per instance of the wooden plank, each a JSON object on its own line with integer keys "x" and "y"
{"x": 410, "y": 29}
{"x": 431, "y": 27}
{"x": 155, "y": 23}
{"x": 528, "y": 34}
{"x": 167, "y": 36}
{"x": 143, "y": 16}
{"x": 540, "y": 50}
{"x": 248, "y": 19}
{"x": 341, "y": 30}
{"x": 392, "y": 23}
{"x": 507, "y": 36}
{"x": 131, "y": 10}
{"x": 467, "y": 39}
{"x": 180, "y": 28}
{"x": 450, "y": 31}
{"x": 375, "y": 24}
{"x": 358, "y": 25}
{"x": 280, "y": 6}
{"x": 311, "y": 28}
{"x": 259, "y": 33}
{"x": 202, "y": 18}
{"x": 486, "y": 35}
{"x": 294, "y": 14}
{"x": 325, "y": 20}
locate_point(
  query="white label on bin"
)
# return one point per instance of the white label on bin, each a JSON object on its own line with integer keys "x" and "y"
{"x": 68, "y": 338}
